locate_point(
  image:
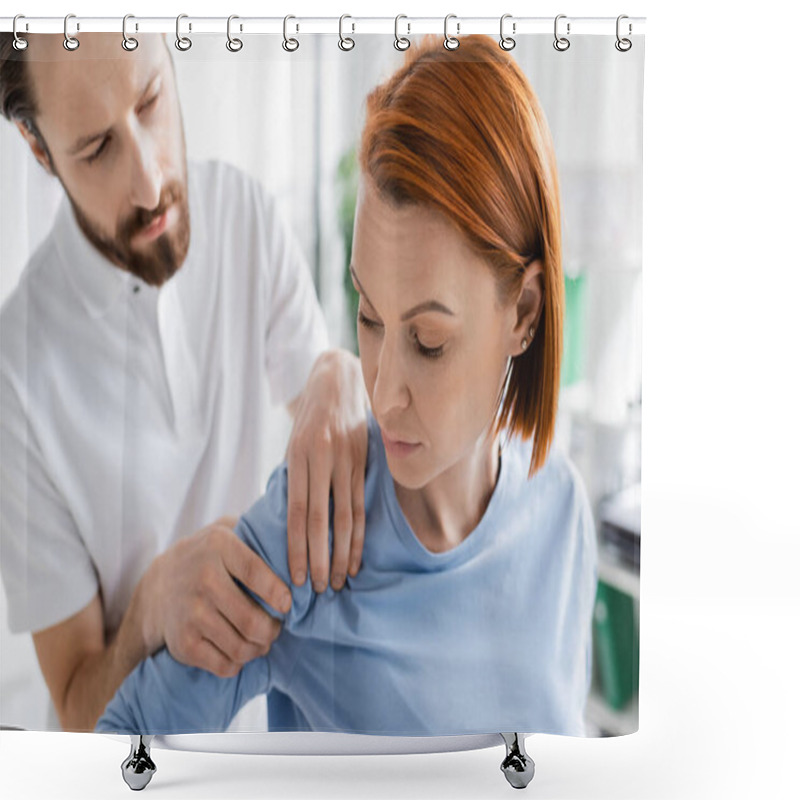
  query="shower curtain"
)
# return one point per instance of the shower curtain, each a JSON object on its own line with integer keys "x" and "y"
{"x": 273, "y": 198}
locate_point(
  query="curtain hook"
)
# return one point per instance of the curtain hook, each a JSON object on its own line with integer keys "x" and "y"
{"x": 233, "y": 45}
{"x": 623, "y": 45}
{"x": 451, "y": 42}
{"x": 507, "y": 42}
{"x": 289, "y": 45}
{"x": 128, "y": 42}
{"x": 401, "y": 42}
{"x": 561, "y": 43}
{"x": 183, "y": 43}
{"x": 346, "y": 43}
{"x": 19, "y": 43}
{"x": 70, "y": 42}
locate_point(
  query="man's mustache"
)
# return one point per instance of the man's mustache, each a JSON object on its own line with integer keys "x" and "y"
{"x": 143, "y": 217}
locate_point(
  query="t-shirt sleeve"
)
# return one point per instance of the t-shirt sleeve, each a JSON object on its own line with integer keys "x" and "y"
{"x": 264, "y": 529}
{"x": 295, "y": 327}
{"x": 164, "y": 696}
{"x": 48, "y": 574}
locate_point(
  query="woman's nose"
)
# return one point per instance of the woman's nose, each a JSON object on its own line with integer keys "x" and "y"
{"x": 390, "y": 391}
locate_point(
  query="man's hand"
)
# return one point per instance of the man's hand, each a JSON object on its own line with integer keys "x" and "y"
{"x": 328, "y": 451}
{"x": 195, "y": 607}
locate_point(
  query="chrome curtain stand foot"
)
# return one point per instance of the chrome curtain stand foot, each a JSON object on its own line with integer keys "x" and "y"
{"x": 138, "y": 768}
{"x": 517, "y": 766}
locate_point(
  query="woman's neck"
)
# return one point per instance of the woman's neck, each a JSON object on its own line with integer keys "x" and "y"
{"x": 445, "y": 511}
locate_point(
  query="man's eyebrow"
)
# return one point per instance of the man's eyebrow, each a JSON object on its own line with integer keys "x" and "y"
{"x": 85, "y": 141}
{"x": 428, "y": 305}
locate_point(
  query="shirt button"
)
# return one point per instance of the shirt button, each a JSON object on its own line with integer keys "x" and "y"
{"x": 136, "y": 288}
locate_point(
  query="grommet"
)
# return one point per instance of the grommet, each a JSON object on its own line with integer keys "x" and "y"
{"x": 183, "y": 43}
{"x": 450, "y": 42}
{"x": 128, "y": 42}
{"x": 345, "y": 42}
{"x": 289, "y": 44}
{"x": 507, "y": 42}
{"x": 623, "y": 45}
{"x": 234, "y": 45}
{"x": 401, "y": 42}
{"x": 561, "y": 43}
{"x": 19, "y": 43}
{"x": 70, "y": 42}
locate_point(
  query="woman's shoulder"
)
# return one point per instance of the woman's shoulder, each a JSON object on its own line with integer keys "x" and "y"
{"x": 557, "y": 484}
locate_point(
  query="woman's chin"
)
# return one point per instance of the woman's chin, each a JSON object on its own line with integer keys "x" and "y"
{"x": 407, "y": 476}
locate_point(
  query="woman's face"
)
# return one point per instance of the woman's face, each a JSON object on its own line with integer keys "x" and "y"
{"x": 433, "y": 335}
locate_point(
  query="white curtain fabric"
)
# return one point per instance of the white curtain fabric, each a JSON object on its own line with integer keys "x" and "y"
{"x": 287, "y": 119}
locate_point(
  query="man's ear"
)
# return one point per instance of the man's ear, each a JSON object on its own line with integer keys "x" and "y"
{"x": 529, "y": 306}
{"x": 36, "y": 145}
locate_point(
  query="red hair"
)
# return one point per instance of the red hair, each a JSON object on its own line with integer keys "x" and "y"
{"x": 462, "y": 132}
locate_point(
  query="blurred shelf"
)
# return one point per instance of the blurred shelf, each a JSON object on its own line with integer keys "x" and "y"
{"x": 609, "y": 720}
{"x": 617, "y": 574}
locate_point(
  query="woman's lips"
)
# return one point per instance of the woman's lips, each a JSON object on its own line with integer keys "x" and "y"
{"x": 397, "y": 447}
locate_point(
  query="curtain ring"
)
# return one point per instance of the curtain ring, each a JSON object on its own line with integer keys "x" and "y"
{"x": 19, "y": 43}
{"x": 289, "y": 45}
{"x": 346, "y": 43}
{"x": 507, "y": 42}
{"x": 400, "y": 42}
{"x": 70, "y": 42}
{"x": 128, "y": 42}
{"x": 450, "y": 42}
{"x": 234, "y": 45}
{"x": 183, "y": 43}
{"x": 623, "y": 45}
{"x": 561, "y": 43}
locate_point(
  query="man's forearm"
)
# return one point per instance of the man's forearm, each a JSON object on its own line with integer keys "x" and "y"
{"x": 100, "y": 674}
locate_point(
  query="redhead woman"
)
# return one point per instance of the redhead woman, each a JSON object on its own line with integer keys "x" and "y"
{"x": 472, "y": 609}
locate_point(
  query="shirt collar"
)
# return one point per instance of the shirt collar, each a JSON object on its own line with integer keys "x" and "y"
{"x": 97, "y": 281}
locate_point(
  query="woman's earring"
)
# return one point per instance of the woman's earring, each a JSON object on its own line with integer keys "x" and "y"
{"x": 531, "y": 332}
{"x": 524, "y": 343}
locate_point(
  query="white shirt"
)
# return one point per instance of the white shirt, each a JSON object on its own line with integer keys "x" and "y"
{"x": 132, "y": 416}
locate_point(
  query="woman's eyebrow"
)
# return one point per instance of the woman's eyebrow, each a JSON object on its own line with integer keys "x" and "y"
{"x": 358, "y": 284}
{"x": 428, "y": 305}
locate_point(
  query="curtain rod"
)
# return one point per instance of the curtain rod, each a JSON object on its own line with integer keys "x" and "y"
{"x": 457, "y": 26}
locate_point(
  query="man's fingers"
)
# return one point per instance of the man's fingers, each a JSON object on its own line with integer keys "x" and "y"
{"x": 233, "y": 644}
{"x": 249, "y": 621}
{"x": 319, "y": 490}
{"x": 211, "y": 658}
{"x": 242, "y": 563}
{"x": 342, "y": 523}
{"x": 359, "y": 521}
{"x": 297, "y": 515}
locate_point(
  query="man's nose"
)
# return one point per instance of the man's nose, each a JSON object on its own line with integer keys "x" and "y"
{"x": 390, "y": 391}
{"x": 145, "y": 179}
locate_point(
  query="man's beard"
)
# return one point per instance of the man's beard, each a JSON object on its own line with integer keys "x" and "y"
{"x": 159, "y": 260}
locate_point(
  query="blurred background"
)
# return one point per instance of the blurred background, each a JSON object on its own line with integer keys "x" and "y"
{"x": 292, "y": 121}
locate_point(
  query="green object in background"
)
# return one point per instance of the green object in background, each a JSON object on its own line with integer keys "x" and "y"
{"x": 574, "y": 329}
{"x": 616, "y": 645}
{"x": 347, "y": 189}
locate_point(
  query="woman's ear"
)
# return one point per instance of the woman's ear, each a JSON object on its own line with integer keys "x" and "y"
{"x": 529, "y": 307}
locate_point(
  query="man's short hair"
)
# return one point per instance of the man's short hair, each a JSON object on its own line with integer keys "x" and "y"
{"x": 17, "y": 102}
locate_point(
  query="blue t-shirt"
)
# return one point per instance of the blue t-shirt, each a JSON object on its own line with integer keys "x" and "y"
{"x": 493, "y": 635}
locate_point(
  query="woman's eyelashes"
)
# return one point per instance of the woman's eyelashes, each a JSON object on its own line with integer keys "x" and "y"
{"x": 423, "y": 350}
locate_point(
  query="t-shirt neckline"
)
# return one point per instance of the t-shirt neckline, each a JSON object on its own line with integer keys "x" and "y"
{"x": 472, "y": 544}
